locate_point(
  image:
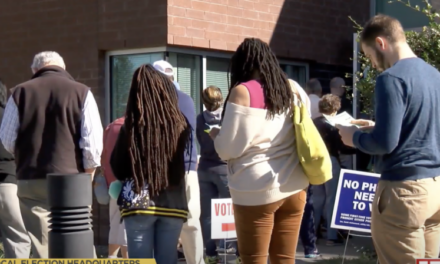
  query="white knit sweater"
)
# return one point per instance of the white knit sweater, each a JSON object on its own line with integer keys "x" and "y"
{"x": 263, "y": 165}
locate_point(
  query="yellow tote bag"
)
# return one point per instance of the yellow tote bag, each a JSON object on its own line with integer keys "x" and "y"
{"x": 312, "y": 152}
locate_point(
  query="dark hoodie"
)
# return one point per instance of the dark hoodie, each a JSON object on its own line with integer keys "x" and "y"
{"x": 209, "y": 159}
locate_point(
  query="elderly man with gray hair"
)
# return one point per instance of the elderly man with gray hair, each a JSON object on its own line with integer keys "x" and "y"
{"x": 52, "y": 125}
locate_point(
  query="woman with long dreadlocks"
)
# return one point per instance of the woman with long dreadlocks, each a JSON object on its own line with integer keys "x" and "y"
{"x": 149, "y": 160}
{"x": 257, "y": 138}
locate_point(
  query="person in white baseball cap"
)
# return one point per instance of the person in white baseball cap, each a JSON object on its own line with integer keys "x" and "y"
{"x": 166, "y": 68}
{"x": 191, "y": 235}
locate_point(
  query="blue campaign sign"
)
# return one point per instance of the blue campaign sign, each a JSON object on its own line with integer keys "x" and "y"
{"x": 354, "y": 200}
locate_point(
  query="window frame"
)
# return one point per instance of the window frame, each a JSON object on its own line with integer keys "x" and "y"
{"x": 372, "y": 8}
{"x": 109, "y": 91}
{"x": 374, "y": 11}
{"x": 166, "y": 57}
{"x": 166, "y": 50}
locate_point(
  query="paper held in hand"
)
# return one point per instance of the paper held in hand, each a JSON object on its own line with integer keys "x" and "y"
{"x": 342, "y": 119}
{"x": 211, "y": 127}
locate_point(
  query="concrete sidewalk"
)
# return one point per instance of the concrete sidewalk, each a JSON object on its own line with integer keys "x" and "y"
{"x": 355, "y": 247}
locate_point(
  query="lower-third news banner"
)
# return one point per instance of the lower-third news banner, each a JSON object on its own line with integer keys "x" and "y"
{"x": 77, "y": 261}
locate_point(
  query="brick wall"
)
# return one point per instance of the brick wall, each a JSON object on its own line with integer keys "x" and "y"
{"x": 309, "y": 30}
{"x": 81, "y": 31}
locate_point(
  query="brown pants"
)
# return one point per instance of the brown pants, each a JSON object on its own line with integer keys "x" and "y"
{"x": 405, "y": 222}
{"x": 272, "y": 228}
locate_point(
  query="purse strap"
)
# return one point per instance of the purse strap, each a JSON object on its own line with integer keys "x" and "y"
{"x": 297, "y": 97}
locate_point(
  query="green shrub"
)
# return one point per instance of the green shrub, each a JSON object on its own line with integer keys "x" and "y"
{"x": 424, "y": 43}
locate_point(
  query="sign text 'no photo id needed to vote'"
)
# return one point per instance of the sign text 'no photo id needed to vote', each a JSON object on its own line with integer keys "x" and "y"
{"x": 354, "y": 200}
{"x": 77, "y": 261}
{"x": 222, "y": 219}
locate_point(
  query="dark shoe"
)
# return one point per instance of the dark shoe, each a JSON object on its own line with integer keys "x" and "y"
{"x": 180, "y": 256}
{"x": 335, "y": 242}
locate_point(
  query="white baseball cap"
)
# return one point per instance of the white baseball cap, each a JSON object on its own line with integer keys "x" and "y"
{"x": 164, "y": 67}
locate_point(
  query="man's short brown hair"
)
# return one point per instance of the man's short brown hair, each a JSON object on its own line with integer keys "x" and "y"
{"x": 329, "y": 104}
{"x": 382, "y": 26}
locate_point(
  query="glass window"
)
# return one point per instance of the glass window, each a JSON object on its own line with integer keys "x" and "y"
{"x": 122, "y": 69}
{"x": 217, "y": 74}
{"x": 296, "y": 73}
{"x": 188, "y": 73}
{"x": 409, "y": 17}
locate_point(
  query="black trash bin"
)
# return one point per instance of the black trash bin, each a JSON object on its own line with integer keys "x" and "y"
{"x": 70, "y": 199}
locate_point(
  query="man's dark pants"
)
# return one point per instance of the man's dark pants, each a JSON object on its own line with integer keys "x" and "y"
{"x": 307, "y": 232}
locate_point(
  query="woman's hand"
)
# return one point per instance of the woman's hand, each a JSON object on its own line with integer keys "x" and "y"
{"x": 366, "y": 128}
{"x": 362, "y": 122}
{"x": 214, "y": 132}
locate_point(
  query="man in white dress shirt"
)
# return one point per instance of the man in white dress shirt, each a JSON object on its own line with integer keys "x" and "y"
{"x": 52, "y": 125}
{"x": 314, "y": 90}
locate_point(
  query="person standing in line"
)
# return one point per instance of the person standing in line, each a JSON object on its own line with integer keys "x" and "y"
{"x": 337, "y": 87}
{"x": 405, "y": 142}
{"x": 191, "y": 237}
{"x": 167, "y": 69}
{"x": 152, "y": 167}
{"x": 257, "y": 138}
{"x": 314, "y": 91}
{"x": 307, "y": 232}
{"x": 117, "y": 238}
{"x": 52, "y": 125}
{"x": 212, "y": 171}
{"x": 329, "y": 106}
{"x": 16, "y": 241}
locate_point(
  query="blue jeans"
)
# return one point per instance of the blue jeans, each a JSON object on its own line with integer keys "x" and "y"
{"x": 212, "y": 186}
{"x": 319, "y": 201}
{"x": 307, "y": 230}
{"x": 331, "y": 187}
{"x": 151, "y": 236}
